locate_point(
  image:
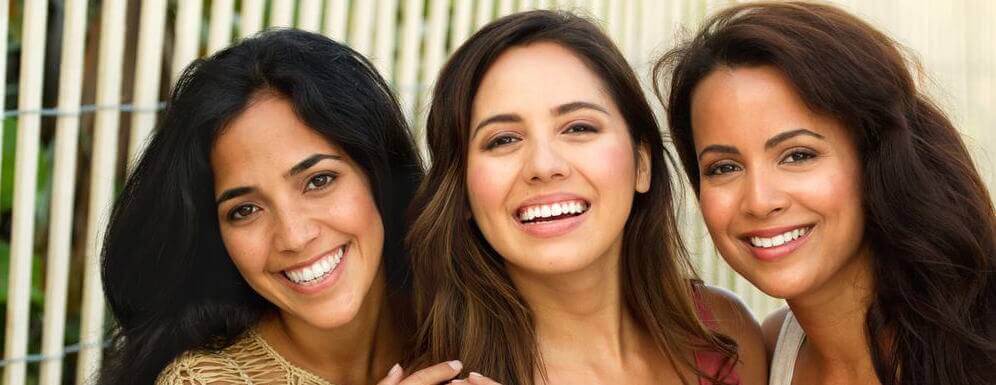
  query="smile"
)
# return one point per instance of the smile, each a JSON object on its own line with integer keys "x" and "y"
{"x": 779, "y": 239}
{"x": 318, "y": 270}
{"x": 552, "y": 211}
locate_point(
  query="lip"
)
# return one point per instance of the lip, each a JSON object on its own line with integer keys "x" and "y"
{"x": 775, "y": 253}
{"x": 328, "y": 281}
{"x": 554, "y": 228}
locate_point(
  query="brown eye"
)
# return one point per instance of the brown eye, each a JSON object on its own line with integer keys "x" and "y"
{"x": 798, "y": 156}
{"x": 722, "y": 168}
{"x": 320, "y": 181}
{"x": 242, "y": 212}
{"x": 501, "y": 141}
{"x": 580, "y": 128}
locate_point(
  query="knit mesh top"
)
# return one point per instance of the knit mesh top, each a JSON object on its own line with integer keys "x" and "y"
{"x": 249, "y": 361}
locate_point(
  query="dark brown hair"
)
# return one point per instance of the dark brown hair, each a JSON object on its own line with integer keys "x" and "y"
{"x": 929, "y": 218}
{"x": 469, "y": 306}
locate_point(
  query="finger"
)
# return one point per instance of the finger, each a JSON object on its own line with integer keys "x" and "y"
{"x": 478, "y": 379}
{"x": 435, "y": 374}
{"x": 394, "y": 376}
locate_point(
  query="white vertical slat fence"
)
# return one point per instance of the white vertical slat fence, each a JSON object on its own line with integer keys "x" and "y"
{"x": 309, "y": 15}
{"x": 282, "y": 13}
{"x": 25, "y": 179}
{"x": 105, "y": 137}
{"x": 63, "y": 192}
{"x": 251, "y": 17}
{"x": 408, "y": 40}
{"x": 187, "y": 32}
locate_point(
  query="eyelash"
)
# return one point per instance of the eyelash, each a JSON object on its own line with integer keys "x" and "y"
{"x": 331, "y": 178}
{"x": 503, "y": 140}
{"x": 806, "y": 156}
{"x": 714, "y": 170}
{"x": 585, "y": 128}
{"x": 234, "y": 214}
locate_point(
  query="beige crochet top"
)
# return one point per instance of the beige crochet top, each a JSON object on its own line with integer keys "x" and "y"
{"x": 250, "y": 361}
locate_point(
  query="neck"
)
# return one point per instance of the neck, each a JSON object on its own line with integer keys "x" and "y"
{"x": 358, "y": 352}
{"x": 580, "y": 316}
{"x": 833, "y": 317}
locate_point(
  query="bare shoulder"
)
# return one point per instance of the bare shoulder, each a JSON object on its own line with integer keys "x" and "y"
{"x": 732, "y": 316}
{"x": 771, "y": 327}
{"x": 736, "y": 321}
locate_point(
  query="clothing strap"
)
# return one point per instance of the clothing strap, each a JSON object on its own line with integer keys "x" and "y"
{"x": 790, "y": 340}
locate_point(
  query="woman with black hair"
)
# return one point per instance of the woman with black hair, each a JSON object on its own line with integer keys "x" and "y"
{"x": 259, "y": 238}
{"x": 828, "y": 179}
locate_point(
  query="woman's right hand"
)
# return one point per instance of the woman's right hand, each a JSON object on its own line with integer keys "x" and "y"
{"x": 434, "y": 375}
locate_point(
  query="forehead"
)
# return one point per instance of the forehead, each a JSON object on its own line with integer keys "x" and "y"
{"x": 754, "y": 100}
{"x": 267, "y": 137}
{"x": 537, "y": 75}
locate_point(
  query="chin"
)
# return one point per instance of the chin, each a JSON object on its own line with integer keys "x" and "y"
{"x": 552, "y": 263}
{"x": 779, "y": 286}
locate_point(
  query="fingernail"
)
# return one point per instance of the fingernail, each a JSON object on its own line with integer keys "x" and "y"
{"x": 476, "y": 375}
{"x": 457, "y": 381}
{"x": 455, "y": 364}
{"x": 395, "y": 370}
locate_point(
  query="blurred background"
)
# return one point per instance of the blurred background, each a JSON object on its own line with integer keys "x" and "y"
{"x": 85, "y": 80}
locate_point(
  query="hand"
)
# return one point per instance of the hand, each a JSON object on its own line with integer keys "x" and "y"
{"x": 433, "y": 375}
{"x": 476, "y": 379}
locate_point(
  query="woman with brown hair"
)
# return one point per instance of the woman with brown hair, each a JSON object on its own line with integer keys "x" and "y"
{"x": 546, "y": 249}
{"x": 827, "y": 178}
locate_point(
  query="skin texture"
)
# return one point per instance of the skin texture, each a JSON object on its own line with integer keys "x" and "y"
{"x": 528, "y": 142}
{"x": 287, "y": 220}
{"x": 754, "y": 182}
{"x": 340, "y": 332}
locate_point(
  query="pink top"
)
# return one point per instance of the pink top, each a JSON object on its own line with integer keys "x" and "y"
{"x": 708, "y": 361}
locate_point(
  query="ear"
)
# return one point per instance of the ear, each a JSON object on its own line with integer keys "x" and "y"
{"x": 643, "y": 168}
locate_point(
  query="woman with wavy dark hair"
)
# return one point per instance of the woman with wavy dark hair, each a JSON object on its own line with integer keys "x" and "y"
{"x": 259, "y": 238}
{"x": 827, "y": 178}
{"x": 546, "y": 249}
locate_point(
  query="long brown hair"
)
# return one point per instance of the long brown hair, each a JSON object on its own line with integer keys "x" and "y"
{"x": 929, "y": 218}
{"x": 469, "y": 306}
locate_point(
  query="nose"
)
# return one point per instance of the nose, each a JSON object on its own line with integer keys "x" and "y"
{"x": 294, "y": 230}
{"x": 544, "y": 163}
{"x": 764, "y": 196}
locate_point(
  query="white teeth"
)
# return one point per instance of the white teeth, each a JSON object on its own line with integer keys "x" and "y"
{"x": 322, "y": 267}
{"x": 779, "y": 239}
{"x": 552, "y": 210}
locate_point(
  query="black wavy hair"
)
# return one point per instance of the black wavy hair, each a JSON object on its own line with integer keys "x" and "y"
{"x": 170, "y": 284}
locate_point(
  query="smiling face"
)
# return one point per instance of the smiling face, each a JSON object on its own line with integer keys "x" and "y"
{"x": 551, "y": 168}
{"x": 780, "y": 185}
{"x": 296, "y": 215}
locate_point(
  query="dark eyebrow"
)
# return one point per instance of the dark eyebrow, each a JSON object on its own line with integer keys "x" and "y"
{"x": 574, "y": 106}
{"x": 308, "y": 162}
{"x": 720, "y": 148}
{"x": 297, "y": 169}
{"x": 789, "y": 135}
{"x": 233, "y": 193}
{"x": 559, "y": 110}
{"x": 500, "y": 118}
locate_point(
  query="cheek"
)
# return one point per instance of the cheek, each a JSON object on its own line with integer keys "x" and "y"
{"x": 609, "y": 162}
{"x": 718, "y": 207}
{"x": 488, "y": 181}
{"x": 356, "y": 214}
{"x": 246, "y": 249}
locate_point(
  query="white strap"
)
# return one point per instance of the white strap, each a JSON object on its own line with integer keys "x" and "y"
{"x": 790, "y": 339}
